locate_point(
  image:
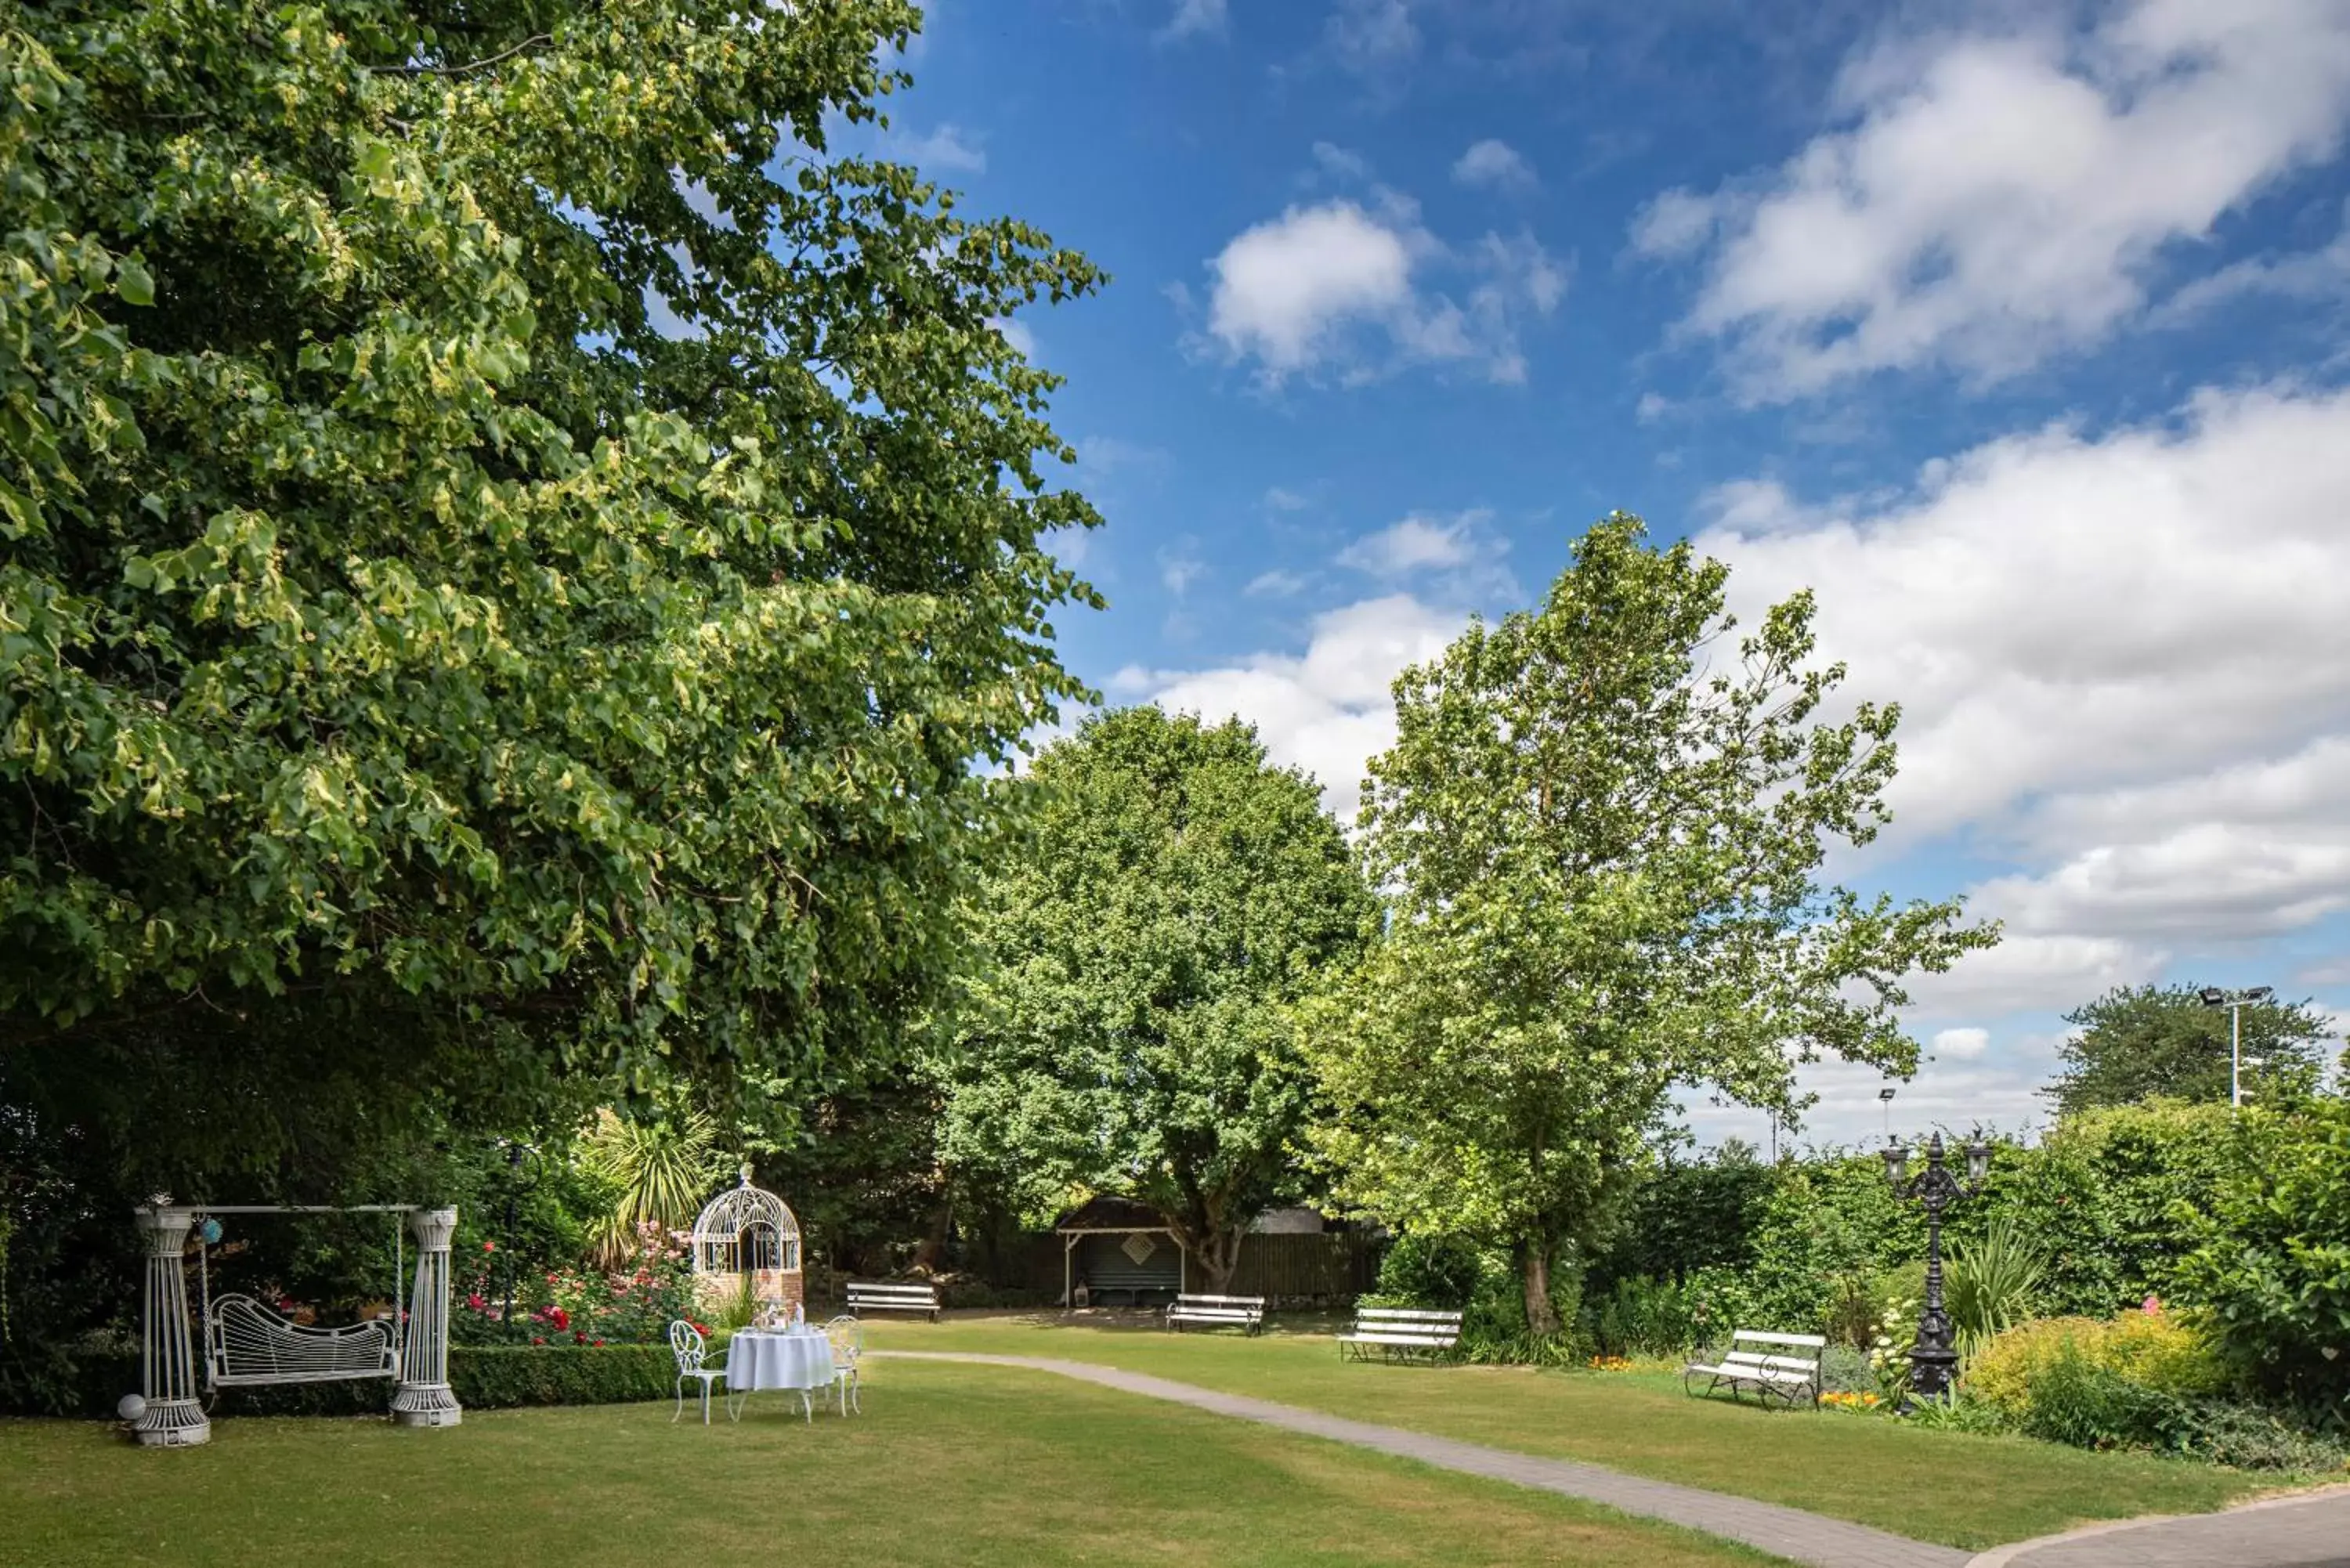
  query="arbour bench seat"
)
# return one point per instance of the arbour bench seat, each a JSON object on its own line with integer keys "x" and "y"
{"x": 1243, "y": 1313}
{"x": 1400, "y": 1333}
{"x": 866, "y": 1296}
{"x": 1788, "y": 1375}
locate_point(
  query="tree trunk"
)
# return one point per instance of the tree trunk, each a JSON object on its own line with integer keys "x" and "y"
{"x": 1541, "y": 1318}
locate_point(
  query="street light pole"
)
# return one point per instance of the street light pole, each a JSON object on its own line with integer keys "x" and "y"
{"x": 2234, "y": 1001}
{"x": 1935, "y": 1356}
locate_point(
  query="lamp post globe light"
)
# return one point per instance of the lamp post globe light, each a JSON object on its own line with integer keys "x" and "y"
{"x": 1935, "y": 1356}
{"x": 2235, "y": 1002}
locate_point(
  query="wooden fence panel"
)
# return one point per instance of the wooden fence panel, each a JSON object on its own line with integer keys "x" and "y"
{"x": 1333, "y": 1265}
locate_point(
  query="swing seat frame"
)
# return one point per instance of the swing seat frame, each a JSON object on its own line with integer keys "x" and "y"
{"x": 247, "y": 1345}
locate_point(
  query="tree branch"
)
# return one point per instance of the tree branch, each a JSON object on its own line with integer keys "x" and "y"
{"x": 533, "y": 41}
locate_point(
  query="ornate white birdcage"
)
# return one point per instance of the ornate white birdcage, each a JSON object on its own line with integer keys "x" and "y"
{"x": 748, "y": 1231}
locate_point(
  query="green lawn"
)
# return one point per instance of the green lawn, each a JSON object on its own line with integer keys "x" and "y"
{"x": 951, "y": 1466}
{"x": 1961, "y": 1491}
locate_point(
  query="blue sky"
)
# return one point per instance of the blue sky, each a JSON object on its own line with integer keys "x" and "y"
{"x": 2016, "y": 332}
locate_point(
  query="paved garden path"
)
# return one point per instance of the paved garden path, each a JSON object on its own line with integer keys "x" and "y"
{"x": 2311, "y": 1531}
{"x": 1788, "y": 1532}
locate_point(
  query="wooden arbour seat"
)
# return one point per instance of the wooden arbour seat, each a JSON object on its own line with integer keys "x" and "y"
{"x": 1789, "y": 1375}
{"x": 872, "y": 1296}
{"x": 246, "y": 1344}
{"x": 1243, "y": 1313}
{"x": 1401, "y": 1333}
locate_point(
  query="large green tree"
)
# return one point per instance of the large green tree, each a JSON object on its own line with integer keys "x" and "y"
{"x": 1143, "y": 951}
{"x": 2149, "y": 1041}
{"x": 1600, "y": 829}
{"x": 515, "y": 555}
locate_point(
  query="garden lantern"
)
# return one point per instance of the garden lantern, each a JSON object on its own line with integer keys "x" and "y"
{"x": 1935, "y": 1354}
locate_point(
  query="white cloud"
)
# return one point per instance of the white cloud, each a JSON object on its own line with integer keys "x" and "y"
{"x": 1192, "y": 19}
{"x": 1284, "y": 287}
{"x": 2306, "y": 274}
{"x": 1992, "y": 197}
{"x": 1340, "y": 163}
{"x": 1329, "y": 285}
{"x": 1653, "y": 406}
{"x": 2057, "y": 611}
{"x": 1369, "y": 37}
{"x": 1276, "y": 584}
{"x": 1282, "y": 499}
{"x": 1415, "y": 543}
{"x": 1964, "y": 1044}
{"x": 1327, "y": 710}
{"x": 1179, "y": 566}
{"x": 949, "y": 148}
{"x": 2031, "y": 973}
{"x": 2124, "y": 663}
{"x": 1496, "y": 165}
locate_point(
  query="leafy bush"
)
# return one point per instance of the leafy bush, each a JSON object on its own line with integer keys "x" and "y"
{"x": 1640, "y": 1316}
{"x": 2159, "y": 1352}
{"x": 2273, "y": 1257}
{"x": 483, "y": 1377}
{"x": 1433, "y": 1271}
{"x": 2081, "y": 1401}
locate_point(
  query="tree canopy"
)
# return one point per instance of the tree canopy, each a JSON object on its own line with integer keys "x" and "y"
{"x": 2162, "y": 1042}
{"x": 517, "y": 557}
{"x": 1600, "y": 842}
{"x": 1174, "y": 899}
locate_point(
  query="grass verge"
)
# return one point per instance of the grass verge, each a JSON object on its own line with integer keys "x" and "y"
{"x": 1952, "y": 1488}
{"x": 960, "y": 1467}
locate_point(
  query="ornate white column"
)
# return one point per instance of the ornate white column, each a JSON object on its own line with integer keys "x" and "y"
{"x": 423, "y": 1398}
{"x": 172, "y": 1417}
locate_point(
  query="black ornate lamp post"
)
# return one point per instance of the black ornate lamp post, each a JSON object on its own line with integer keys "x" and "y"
{"x": 1936, "y": 1355}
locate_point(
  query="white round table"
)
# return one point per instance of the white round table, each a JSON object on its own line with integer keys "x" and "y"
{"x": 757, "y": 1360}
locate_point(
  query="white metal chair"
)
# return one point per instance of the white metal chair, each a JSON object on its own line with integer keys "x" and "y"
{"x": 848, "y": 1337}
{"x": 686, "y": 1344}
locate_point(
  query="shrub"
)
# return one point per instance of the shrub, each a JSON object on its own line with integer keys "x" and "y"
{"x": 1992, "y": 1282}
{"x": 2161, "y": 1352}
{"x": 1433, "y": 1271}
{"x": 483, "y": 1376}
{"x": 1641, "y": 1316}
{"x": 2272, "y": 1257}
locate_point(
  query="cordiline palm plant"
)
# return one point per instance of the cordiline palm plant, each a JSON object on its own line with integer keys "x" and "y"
{"x": 1990, "y": 1283}
{"x": 662, "y": 1169}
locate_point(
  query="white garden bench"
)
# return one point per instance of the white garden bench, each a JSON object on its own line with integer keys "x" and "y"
{"x": 1243, "y": 1313}
{"x": 875, "y": 1297}
{"x": 1788, "y": 1375}
{"x": 1400, "y": 1333}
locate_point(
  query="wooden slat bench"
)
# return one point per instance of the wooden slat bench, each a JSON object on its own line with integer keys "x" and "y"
{"x": 1788, "y": 1375}
{"x": 1243, "y": 1313}
{"x": 1400, "y": 1333}
{"x": 864, "y": 1297}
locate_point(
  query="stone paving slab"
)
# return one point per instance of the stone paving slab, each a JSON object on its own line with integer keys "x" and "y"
{"x": 2311, "y": 1531}
{"x": 1788, "y": 1532}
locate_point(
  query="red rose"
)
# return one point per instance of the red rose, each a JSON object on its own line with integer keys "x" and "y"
{"x": 538, "y": 1339}
{"x": 579, "y": 1336}
{"x": 559, "y": 1318}
{"x": 600, "y": 1342}
{"x": 489, "y": 1246}
{"x": 476, "y": 1302}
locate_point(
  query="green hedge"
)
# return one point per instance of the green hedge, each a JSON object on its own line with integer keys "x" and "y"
{"x": 483, "y": 1376}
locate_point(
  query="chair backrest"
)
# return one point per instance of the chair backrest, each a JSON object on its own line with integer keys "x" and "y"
{"x": 1805, "y": 1351}
{"x": 245, "y": 1343}
{"x": 685, "y": 1342}
{"x": 847, "y": 1337}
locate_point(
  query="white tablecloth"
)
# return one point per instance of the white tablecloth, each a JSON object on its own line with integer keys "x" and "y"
{"x": 778, "y": 1361}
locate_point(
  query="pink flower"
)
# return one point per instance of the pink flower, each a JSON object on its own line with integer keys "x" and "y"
{"x": 2153, "y": 1304}
{"x": 476, "y": 1302}
{"x": 489, "y": 1246}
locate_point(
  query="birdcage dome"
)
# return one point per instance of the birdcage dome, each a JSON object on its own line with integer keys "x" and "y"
{"x": 745, "y": 1230}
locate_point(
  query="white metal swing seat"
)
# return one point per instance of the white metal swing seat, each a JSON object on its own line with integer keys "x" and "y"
{"x": 247, "y": 1344}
